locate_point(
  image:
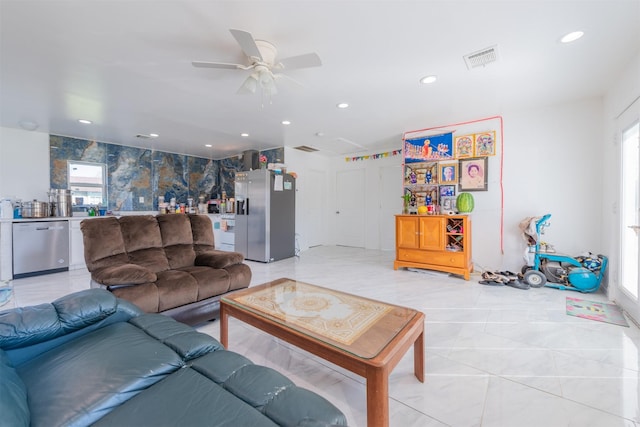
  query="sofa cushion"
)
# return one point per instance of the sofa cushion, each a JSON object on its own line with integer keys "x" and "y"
{"x": 143, "y": 242}
{"x": 211, "y": 282}
{"x": 123, "y": 274}
{"x": 185, "y": 398}
{"x": 218, "y": 259}
{"x": 176, "y": 288}
{"x": 182, "y": 339}
{"x": 103, "y": 242}
{"x": 145, "y": 296}
{"x": 177, "y": 239}
{"x": 31, "y": 325}
{"x": 76, "y": 384}
{"x": 13, "y": 404}
{"x": 203, "y": 238}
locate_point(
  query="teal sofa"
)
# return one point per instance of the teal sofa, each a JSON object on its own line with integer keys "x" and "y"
{"x": 90, "y": 358}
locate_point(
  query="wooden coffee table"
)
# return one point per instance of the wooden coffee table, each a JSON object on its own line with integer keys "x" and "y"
{"x": 364, "y": 336}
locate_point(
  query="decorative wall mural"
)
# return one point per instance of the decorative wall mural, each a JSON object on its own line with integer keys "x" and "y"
{"x": 137, "y": 176}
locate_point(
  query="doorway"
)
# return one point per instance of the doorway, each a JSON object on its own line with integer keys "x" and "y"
{"x": 350, "y": 208}
{"x": 390, "y": 205}
{"x": 315, "y": 202}
{"x": 629, "y": 214}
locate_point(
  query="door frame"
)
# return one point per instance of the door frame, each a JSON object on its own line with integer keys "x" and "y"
{"x": 631, "y": 305}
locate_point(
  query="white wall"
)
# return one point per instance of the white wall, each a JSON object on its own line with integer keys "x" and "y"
{"x": 24, "y": 164}
{"x": 554, "y": 161}
{"x": 624, "y": 90}
{"x": 553, "y": 164}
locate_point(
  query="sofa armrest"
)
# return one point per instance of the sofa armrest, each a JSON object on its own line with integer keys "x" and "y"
{"x": 218, "y": 259}
{"x": 28, "y": 331}
{"x": 123, "y": 274}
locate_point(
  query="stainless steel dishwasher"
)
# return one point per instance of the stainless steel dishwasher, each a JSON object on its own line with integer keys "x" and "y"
{"x": 40, "y": 247}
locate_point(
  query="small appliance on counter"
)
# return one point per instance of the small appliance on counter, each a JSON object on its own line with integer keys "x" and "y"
{"x": 6, "y": 208}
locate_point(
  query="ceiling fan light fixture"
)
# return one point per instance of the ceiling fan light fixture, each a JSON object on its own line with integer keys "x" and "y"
{"x": 250, "y": 84}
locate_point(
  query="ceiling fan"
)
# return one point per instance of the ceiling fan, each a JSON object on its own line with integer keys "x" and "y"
{"x": 262, "y": 58}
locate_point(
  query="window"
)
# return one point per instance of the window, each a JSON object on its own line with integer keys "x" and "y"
{"x": 88, "y": 184}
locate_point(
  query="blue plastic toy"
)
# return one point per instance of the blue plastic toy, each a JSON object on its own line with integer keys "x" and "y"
{"x": 582, "y": 274}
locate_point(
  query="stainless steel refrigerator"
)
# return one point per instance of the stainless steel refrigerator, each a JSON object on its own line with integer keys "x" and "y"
{"x": 265, "y": 215}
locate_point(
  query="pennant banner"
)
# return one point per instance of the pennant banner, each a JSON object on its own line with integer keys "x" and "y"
{"x": 373, "y": 156}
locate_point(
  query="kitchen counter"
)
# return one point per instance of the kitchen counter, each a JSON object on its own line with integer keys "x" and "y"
{"x": 223, "y": 239}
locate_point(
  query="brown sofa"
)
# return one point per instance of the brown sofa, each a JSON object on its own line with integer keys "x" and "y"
{"x": 163, "y": 264}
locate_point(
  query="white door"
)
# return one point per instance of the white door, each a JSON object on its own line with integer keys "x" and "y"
{"x": 315, "y": 203}
{"x": 390, "y": 205}
{"x": 629, "y": 283}
{"x": 350, "y": 200}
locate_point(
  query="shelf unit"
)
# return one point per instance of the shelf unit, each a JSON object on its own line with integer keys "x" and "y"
{"x": 434, "y": 242}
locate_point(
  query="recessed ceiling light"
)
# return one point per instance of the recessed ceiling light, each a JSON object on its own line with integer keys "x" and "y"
{"x": 85, "y": 122}
{"x": 154, "y": 135}
{"x": 571, "y": 37}
{"x": 342, "y": 105}
{"x": 428, "y": 79}
{"x": 244, "y": 135}
{"x": 208, "y": 145}
{"x": 286, "y": 122}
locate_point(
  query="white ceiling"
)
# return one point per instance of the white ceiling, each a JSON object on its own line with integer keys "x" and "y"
{"x": 126, "y": 65}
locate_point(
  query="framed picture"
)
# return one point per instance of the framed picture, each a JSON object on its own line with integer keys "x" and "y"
{"x": 448, "y": 204}
{"x": 448, "y": 173}
{"x": 484, "y": 144}
{"x": 473, "y": 174}
{"x": 463, "y": 146}
{"x": 434, "y": 147}
{"x": 447, "y": 191}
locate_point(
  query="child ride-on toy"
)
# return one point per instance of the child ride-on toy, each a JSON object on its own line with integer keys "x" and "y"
{"x": 582, "y": 274}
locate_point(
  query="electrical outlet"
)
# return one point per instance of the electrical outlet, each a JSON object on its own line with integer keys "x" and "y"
{"x": 141, "y": 199}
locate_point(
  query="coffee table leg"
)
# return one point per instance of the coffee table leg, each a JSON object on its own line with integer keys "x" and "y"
{"x": 418, "y": 357}
{"x": 377, "y": 397}
{"x": 224, "y": 326}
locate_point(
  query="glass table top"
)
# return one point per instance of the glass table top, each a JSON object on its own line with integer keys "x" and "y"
{"x": 360, "y": 326}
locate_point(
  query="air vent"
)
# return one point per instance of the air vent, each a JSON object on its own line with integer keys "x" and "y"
{"x": 481, "y": 57}
{"x": 305, "y": 148}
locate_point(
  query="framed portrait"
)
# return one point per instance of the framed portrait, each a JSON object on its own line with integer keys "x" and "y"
{"x": 448, "y": 173}
{"x": 463, "y": 146}
{"x": 448, "y": 204}
{"x": 473, "y": 174}
{"x": 447, "y": 191}
{"x": 484, "y": 144}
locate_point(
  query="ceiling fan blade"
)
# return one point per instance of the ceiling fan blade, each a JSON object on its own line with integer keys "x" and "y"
{"x": 289, "y": 78}
{"x": 205, "y": 64}
{"x": 301, "y": 61}
{"x": 247, "y": 43}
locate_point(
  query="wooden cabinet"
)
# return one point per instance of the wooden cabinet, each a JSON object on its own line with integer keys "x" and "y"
{"x": 434, "y": 242}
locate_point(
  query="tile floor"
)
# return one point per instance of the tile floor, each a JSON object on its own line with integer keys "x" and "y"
{"x": 495, "y": 356}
